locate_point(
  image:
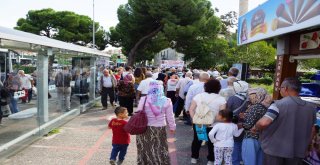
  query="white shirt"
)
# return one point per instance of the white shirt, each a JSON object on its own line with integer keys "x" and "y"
{"x": 107, "y": 82}
{"x": 171, "y": 84}
{"x": 222, "y": 134}
{"x": 144, "y": 85}
{"x": 124, "y": 74}
{"x": 193, "y": 91}
{"x": 155, "y": 75}
{"x": 26, "y": 81}
{"x": 181, "y": 84}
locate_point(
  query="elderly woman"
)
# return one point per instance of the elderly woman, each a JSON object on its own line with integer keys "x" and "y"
{"x": 126, "y": 93}
{"x": 216, "y": 103}
{"x": 152, "y": 145}
{"x": 238, "y": 104}
{"x": 259, "y": 100}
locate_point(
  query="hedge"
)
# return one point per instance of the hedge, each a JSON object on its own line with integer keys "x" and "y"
{"x": 264, "y": 80}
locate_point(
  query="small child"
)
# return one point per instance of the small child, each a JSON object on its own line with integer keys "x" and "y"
{"x": 222, "y": 137}
{"x": 120, "y": 138}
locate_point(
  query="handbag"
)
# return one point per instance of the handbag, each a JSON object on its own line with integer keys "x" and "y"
{"x": 138, "y": 122}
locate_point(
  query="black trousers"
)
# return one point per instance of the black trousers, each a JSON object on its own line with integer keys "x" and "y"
{"x": 179, "y": 107}
{"x": 104, "y": 96}
{"x": 196, "y": 145}
{"x": 126, "y": 102}
{"x": 172, "y": 96}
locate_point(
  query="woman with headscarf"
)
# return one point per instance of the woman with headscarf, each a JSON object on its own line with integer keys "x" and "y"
{"x": 152, "y": 145}
{"x": 238, "y": 104}
{"x": 259, "y": 101}
{"x": 126, "y": 93}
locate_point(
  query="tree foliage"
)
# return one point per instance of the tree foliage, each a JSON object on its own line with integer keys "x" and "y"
{"x": 146, "y": 27}
{"x": 62, "y": 25}
{"x": 258, "y": 54}
{"x": 229, "y": 21}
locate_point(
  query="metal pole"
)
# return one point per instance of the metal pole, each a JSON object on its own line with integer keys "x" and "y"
{"x": 93, "y": 29}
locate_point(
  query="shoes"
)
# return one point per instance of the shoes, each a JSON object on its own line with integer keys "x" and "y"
{"x": 194, "y": 161}
{"x": 112, "y": 162}
{"x": 210, "y": 163}
{"x": 130, "y": 114}
{"x": 104, "y": 108}
{"x": 120, "y": 162}
{"x": 187, "y": 123}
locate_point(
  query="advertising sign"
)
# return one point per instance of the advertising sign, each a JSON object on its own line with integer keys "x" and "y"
{"x": 172, "y": 63}
{"x": 277, "y": 17}
{"x": 310, "y": 41}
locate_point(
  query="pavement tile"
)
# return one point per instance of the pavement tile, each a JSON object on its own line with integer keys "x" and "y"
{"x": 85, "y": 140}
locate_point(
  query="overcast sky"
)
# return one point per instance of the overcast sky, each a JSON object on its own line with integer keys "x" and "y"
{"x": 105, "y": 10}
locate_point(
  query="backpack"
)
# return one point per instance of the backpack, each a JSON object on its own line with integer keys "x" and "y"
{"x": 204, "y": 114}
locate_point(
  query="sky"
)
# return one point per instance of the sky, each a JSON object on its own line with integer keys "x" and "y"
{"x": 105, "y": 11}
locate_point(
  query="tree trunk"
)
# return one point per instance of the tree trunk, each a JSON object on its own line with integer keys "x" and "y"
{"x": 131, "y": 56}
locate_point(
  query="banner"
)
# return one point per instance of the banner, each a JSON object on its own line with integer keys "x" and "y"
{"x": 172, "y": 63}
{"x": 277, "y": 17}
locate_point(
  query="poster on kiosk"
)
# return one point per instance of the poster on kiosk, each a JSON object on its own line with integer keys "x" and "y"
{"x": 277, "y": 17}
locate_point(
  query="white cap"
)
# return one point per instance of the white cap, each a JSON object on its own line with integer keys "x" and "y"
{"x": 240, "y": 86}
{"x": 215, "y": 74}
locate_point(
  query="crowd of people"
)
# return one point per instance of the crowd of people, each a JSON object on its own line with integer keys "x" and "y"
{"x": 240, "y": 124}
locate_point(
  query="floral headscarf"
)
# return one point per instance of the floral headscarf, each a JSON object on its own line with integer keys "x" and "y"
{"x": 259, "y": 95}
{"x": 156, "y": 98}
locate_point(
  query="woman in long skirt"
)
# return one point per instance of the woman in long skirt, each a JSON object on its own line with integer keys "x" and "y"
{"x": 152, "y": 145}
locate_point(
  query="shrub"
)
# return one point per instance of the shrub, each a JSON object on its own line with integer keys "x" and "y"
{"x": 264, "y": 80}
{"x": 269, "y": 88}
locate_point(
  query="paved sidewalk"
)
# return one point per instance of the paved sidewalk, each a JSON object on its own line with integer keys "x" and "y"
{"x": 85, "y": 140}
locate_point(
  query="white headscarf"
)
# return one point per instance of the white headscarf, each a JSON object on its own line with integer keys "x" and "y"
{"x": 156, "y": 98}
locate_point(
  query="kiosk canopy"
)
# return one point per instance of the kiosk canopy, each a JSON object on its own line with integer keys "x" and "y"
{"x": 277, "y": 17}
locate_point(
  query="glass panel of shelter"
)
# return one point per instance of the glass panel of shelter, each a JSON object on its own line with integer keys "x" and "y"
{"x": 18, "y": 77}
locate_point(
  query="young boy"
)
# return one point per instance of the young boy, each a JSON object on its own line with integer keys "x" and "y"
{"x": 120, "y": 138}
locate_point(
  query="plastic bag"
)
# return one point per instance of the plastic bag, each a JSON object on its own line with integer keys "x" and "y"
{"x": 201, "y": 132}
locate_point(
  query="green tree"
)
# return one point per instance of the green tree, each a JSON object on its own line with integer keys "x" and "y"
{"x": 62, "y": 25}
{"x": 258, "y": 54}
{"x": 310, "y": 63}
{"x": 114, "y": 58}
{"x": 229, "y": 21}
{"x": 180, "y": 24}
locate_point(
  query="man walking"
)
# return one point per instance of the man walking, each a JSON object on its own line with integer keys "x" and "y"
{"x": 286, "y": 127}
{"x": 62, "y": 82}
{"x": 107, "y": 86}
{"x": 179, "y": 104}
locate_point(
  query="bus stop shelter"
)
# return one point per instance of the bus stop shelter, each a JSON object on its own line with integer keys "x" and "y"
{"x": 42, "y": 113}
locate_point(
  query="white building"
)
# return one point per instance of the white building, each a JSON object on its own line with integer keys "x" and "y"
{"x": 167, "y": 54}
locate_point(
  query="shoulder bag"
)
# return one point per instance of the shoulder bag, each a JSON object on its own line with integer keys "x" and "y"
{"x": 137, "y": 124}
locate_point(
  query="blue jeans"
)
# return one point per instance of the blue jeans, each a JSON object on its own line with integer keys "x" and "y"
{"x": 251, "y": 152}
{"x": 236, "y": 154}
{"x": 13, "y": 104}
{"x": 119, "y": 148}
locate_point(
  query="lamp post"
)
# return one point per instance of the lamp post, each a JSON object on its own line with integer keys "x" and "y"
{"x": 93, "y": 28}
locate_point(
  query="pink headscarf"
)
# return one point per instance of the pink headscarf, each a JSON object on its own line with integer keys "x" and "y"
{"x": 127, "y": 79}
